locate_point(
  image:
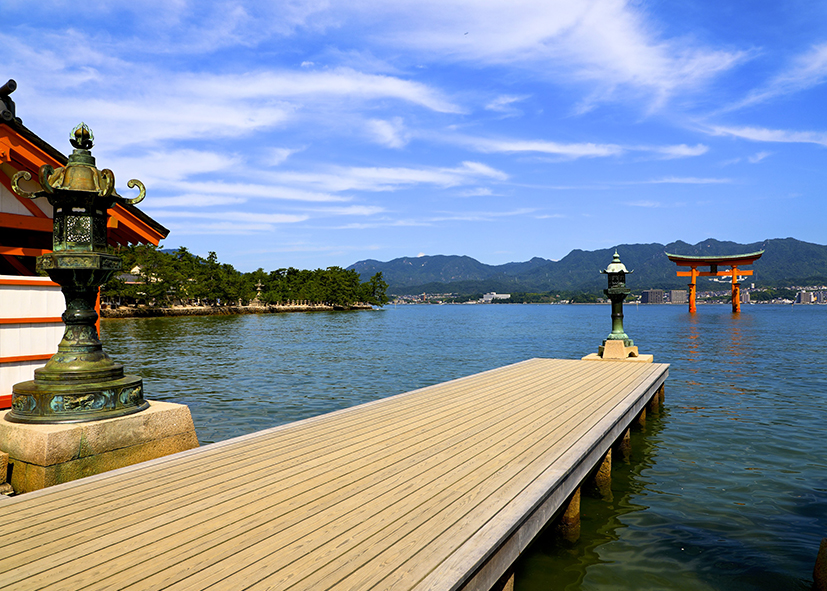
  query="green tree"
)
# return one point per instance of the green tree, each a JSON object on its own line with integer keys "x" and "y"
{"x": 374, "y": 291}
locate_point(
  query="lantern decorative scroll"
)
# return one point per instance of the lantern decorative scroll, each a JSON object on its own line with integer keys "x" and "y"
{"x": 80, "y": 382}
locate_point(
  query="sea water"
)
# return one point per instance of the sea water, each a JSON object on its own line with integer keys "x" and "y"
{"x": 727, "y": 487}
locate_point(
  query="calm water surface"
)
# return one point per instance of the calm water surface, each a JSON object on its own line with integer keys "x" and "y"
{"x": 726, "y": 489}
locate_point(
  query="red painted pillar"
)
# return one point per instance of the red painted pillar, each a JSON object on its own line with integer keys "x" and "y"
{"x": 692, "y": 289}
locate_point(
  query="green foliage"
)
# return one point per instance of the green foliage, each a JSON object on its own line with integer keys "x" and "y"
{"x": 581, "y": 298}
{"x": 159, "y": 278}
{"x": 766, "y": 295}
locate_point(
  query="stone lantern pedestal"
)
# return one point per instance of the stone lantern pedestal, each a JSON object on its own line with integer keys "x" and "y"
{"x": 42, "y": 455}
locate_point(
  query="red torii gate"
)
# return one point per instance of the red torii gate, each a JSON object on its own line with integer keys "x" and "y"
{"x": 713, "y": 262}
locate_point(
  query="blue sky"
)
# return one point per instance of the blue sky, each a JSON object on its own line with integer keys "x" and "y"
{"x": 315, "y": 133}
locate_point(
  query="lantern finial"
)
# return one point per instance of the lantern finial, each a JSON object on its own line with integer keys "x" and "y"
{"x": 82, "y": 137}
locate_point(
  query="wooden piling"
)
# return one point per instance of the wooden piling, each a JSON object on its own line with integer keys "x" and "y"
{"x": 602, "y": 479}
{"x": 624, "y": 447}
{"x": 568, "y": 526}
{"x": 640, "y": 421}
{"x": 654, "y": 404}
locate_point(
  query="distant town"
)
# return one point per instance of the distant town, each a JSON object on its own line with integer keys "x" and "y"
{"x": 814, "y": 294}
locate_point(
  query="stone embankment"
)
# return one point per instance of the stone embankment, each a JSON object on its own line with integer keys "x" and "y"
{"x": 151, "y": 312}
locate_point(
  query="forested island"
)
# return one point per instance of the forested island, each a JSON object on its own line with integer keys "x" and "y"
{"x": 161, "y": 279}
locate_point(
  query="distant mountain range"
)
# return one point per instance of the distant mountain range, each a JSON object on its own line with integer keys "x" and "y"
{"x": 786, "y": 261}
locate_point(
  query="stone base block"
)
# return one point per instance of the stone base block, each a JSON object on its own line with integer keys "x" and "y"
{"x": 45, "y": 455}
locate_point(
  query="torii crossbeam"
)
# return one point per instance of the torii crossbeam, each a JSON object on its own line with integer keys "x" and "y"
{"x": 713, "y": 262}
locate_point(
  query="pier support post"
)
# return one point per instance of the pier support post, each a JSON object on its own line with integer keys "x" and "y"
{"x": 623, "y": 447}
{"x": 653, "y": 406}
{"x": 662, "y": 393}
{"x": 569, "y": 524}
{"x": 820, "y": 570}
{"x": 603, "y": 477}
{"x": 640, "y": 421}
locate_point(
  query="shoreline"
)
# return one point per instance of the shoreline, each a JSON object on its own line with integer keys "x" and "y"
{"x": 151, "y": 312}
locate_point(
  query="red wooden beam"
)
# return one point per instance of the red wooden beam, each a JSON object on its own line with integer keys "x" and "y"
{"x": 22, "y": 252}
{"x": 25, "y": 222}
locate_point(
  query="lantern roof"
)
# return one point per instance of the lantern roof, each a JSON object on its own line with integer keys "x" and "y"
{"x": 79, "y": 175}
{"x": 616, "y": 266}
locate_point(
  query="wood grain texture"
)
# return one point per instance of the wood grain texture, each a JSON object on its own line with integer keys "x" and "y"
{"x": 440, "y": 488}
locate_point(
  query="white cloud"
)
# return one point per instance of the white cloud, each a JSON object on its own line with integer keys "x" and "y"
{"x": 279, "y": 155}
{"x": 225, "y": 222}
{"x": 351, "y": 210}
{"x": 478, "y": 192}
{"x": 338, "y": 179}
{"x": 760, "y": 134}
{"x": 388, "y": 133}
{"x": 479, "y": 216}
{"x": 336, "y": 83}
{"x": 490, "y": 145}
{"x": 227, "y": 228}
{"x": 569, "y": 150}
{"x": 239, "y": 216}
{"x": 186, "y": 105}
{"x": 190, "y": 200}
{"x": 644, "y": 203}
{"x": 605, "y": 42}
{"x": 681, "y": 151}
{"x": 160, "y": 167}
{"x": 805, "y": 71}
{"x": 756, "y": 158}
{"x": 479, "y": 169}
{"x": 252, "y": 190}
{"x": 439, "y": 218}
{"x": 504, "y": 104}
{"x": 125, "y": 122}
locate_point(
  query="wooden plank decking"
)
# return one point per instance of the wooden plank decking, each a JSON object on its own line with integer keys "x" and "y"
{"x": 439, "y": 488}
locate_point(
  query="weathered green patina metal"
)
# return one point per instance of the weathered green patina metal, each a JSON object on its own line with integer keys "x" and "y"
{"x": 80, "y": 382}
{"x": 616, "y": 292}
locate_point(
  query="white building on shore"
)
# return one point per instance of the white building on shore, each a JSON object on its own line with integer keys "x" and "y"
{"x": 490, "y": 297}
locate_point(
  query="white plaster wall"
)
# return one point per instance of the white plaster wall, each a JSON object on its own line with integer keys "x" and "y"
{"x": 14, "y": 373}
{"x": 24, "y": 301}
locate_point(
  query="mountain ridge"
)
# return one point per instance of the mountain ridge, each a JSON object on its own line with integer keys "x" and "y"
{"x": 786, "y": 261}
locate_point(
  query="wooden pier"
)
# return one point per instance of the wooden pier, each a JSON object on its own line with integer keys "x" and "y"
{"x": 440, "y": 488}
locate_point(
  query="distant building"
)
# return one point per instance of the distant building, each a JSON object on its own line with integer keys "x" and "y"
{"x": 804, "y": 297}
{"x": 821, "y": 297}
{"x": 651, "y": 296}
{"x": 745, "y": 297}
{"x": 490, "y": 297}
{"x": 678, "y": 296}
